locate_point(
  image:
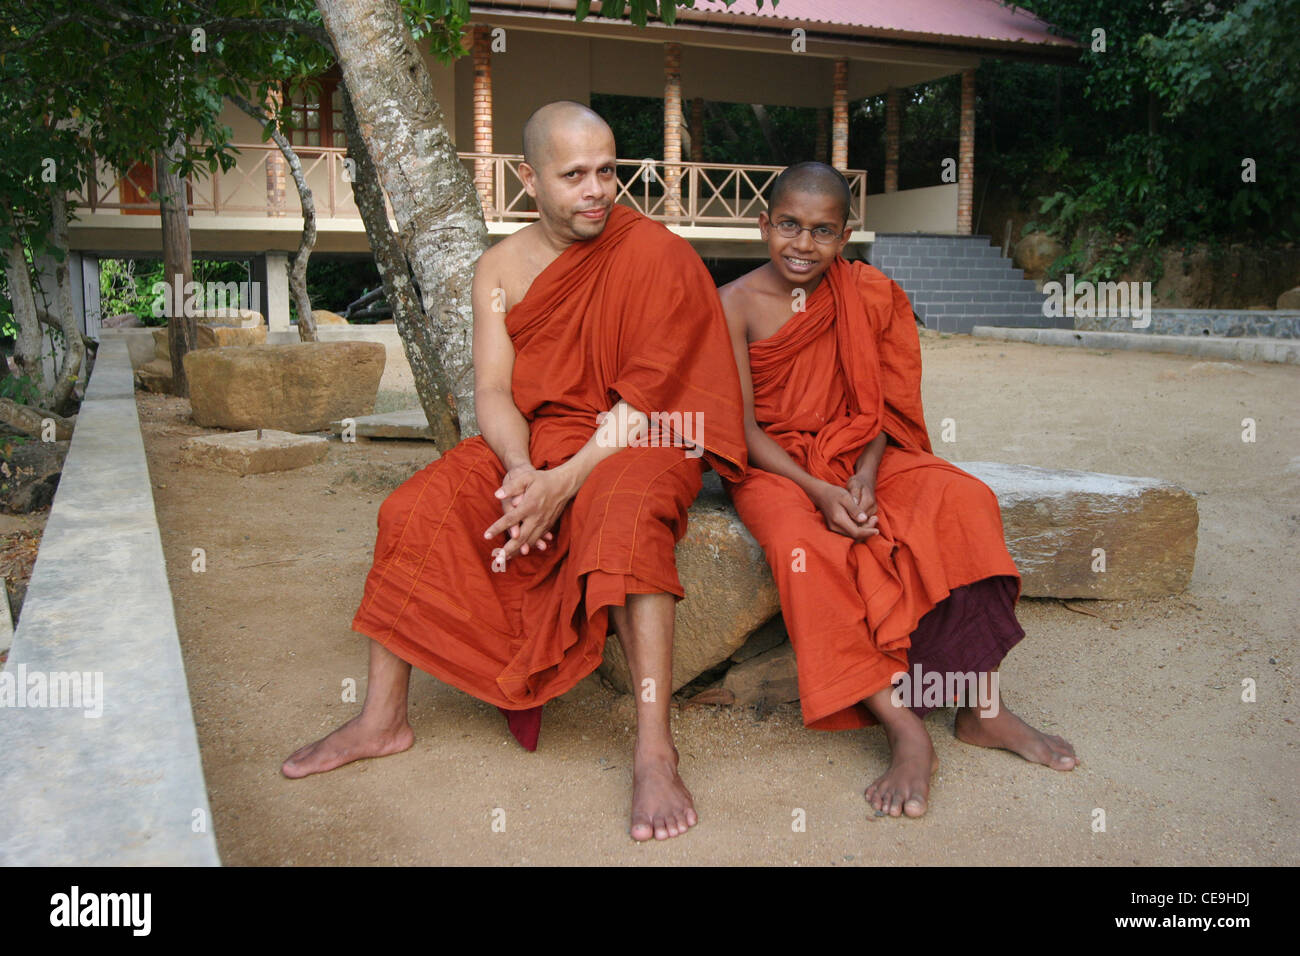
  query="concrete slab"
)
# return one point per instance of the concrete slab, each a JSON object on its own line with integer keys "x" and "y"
{"x": 254, "y": 452}
{"x": 124, "y": 788}
{"x": 410, "y": 423}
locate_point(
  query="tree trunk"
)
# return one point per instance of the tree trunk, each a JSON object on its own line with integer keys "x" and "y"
{"x": 74, "y": 352}
{"x": 31, "y": 419}
{"x": 298, "y": 270}
{"x": 437, "y": 208}
{"x": 27, "y": 348}
{"x": 395, "y": 271}
{"x": 182, "y": 328}
{"x": 769, "y": 134}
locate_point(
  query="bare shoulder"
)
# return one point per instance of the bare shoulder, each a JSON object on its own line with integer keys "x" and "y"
{"x": 739, "y": 292}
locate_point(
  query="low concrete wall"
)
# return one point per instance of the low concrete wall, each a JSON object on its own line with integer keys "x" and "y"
{"x": 1236, "y": 349}
{"x": 125, "y": 787}
{"x": 1231, "y": 323}
{"x": 928, "y": 209}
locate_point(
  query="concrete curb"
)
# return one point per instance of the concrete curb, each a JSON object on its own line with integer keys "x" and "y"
{"x": 1285, "y": 351}
{"x": 125, "y": 788}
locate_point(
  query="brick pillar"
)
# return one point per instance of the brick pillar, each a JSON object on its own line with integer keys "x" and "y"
{"x": 840, "y": 116}
{"x": 891, "y": 140}
{"x": 966, "y": 154}
{"x": 481, "y": 48}
{"x": 697, "y": 129}
{"x": 672, "y": 128}
{"x": 275, "y": 166}
{"x": 823, "y": 135}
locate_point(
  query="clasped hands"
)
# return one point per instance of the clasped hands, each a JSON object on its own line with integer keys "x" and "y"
{"x": 851, "y": 510}
{"x": 531, "y": 502}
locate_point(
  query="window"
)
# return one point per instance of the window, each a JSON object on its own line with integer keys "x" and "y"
{"x": 318, "y": 112}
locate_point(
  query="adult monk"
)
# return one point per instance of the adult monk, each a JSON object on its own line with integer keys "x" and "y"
{"x": 877, "y": 546}
{"x": 499, "y": 567}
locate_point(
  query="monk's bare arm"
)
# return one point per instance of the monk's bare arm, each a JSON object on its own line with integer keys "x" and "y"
{"x": 764, "y": 451}
{"x": 504, "y": 427}
{"x": 869, "y": 460}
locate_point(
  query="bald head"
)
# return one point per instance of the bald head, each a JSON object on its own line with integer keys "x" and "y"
{"x": 554, "y": 121}
{"x": 816, "y": 178}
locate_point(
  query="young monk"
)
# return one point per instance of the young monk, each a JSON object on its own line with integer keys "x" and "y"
{"x": 499, "y": 566}
{"x": 877, "y": 546}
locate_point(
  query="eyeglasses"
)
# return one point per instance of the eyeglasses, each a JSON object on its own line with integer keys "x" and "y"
{"x": 788, "y": 229}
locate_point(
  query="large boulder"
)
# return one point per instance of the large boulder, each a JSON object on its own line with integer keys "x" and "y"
{"x": 326, "y": 317}
{"x": 1082, "y": 534}
{"x": 1035, "y": 252}
{"x": 299, "y": 387}
{"x": 232, "y": 318}
{"x": 1289, "y": 301}
{"x": 224, "y": 336}
{"x": 729, "y": 592}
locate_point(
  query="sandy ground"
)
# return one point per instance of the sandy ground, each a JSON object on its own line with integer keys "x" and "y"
{"x": 1149, "y": 692}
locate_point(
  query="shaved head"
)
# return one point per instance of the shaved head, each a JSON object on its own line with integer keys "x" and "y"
{"x": 816, "y": 178}
{"x": 551, "y": 120}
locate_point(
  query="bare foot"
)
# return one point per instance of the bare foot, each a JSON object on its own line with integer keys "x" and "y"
{"x": 905, "y": 787}
{"x": 661, "y": 804}
{"x": 1006, "y": 731}
{"x": 355, "y": 740}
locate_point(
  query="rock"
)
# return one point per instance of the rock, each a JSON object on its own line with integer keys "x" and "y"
{"x": 1035, "y": 252}
{"x": 386, "y": 322}
{"x": 1054, "y": 519}
{"x": 411, "y": 424}
{"x": 224, "y": 336}
{"x": 254, "y": 453}
{"x": 326, "y": 317}
{"x": 235, "y": 318}
{"x": 29, "y": 474}
{"x": 299, "y": 387}
{"x": 155, "y": 376}
{"x": 770, "y": 635}
{"x": 767, "y": 680}
{"x": 127, "y": 320}
{"x": 729, "y": 592}
{"x": 1289, "y": 300}
{"x": 160, "y": 344}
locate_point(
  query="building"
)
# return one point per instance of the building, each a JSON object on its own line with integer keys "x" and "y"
{"x": 820, "y": 54}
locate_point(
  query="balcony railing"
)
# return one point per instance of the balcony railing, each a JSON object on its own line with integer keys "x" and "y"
{"x": 687, "y": 194}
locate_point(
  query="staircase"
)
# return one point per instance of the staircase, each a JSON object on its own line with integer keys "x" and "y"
{"x": 957, "y": 282}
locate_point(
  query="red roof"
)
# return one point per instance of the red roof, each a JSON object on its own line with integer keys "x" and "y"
{"x": 960, "y": 23}
{"x": 906, "y": 19}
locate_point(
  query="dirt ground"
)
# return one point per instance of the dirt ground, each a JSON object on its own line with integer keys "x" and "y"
{"x": 1148, "y": 691}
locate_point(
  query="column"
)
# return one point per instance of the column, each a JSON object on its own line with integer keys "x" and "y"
{"x": 840, "y": 116}
{"x": 672, "y": 129}
{"x": 891, "y": 140}
{"x": 966, "y": 154}
{"x": 483, "y": 168}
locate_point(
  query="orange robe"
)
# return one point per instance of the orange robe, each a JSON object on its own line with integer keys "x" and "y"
{"x": 631, "y": 313}
{"x": 825, "y": 384}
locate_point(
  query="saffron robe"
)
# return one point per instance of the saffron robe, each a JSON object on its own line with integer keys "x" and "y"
{"x": 631, "y": 313}
{"x": 825, "y": 384}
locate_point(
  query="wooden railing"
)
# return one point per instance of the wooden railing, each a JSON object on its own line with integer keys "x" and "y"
{"x": 694, "y": 194}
